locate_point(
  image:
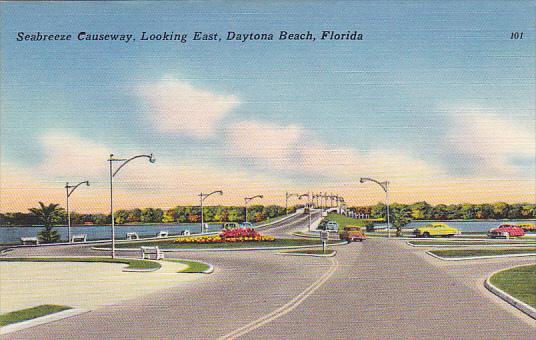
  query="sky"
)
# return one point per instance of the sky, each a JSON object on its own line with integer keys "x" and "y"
{"x": 436, "y": 99}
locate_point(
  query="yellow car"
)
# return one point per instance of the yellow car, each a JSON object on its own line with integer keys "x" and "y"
{"x": 435, "y": 229}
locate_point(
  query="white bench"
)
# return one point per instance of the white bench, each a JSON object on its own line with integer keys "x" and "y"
{"x": 185, "y": 232}
{"x": 79, "y": 238}
{"x": 132, "y": 236}
{"x": 162, "y": 234}
{"x": 29, "y": 240}
{"x": 151, "y": 253}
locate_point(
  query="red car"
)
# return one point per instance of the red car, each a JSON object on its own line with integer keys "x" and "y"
{"x": 506, "y": 230}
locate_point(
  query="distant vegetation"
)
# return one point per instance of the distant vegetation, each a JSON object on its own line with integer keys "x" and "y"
{"x": 179, "y": 214}
{"x": 464, "y": 211}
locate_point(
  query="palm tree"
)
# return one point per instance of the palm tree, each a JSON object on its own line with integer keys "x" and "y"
{"x": 48, "y": 215}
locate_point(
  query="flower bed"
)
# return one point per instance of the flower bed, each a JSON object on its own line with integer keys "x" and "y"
{"x": 228, "y": 235}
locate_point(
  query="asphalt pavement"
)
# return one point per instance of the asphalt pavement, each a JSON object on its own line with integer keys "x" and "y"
{"x": 378, "y": 289}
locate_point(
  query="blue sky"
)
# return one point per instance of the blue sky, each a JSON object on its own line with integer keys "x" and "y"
{"x": 408, "y": 93}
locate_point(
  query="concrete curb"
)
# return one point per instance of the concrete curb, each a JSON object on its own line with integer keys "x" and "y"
{"x": 529, "y": 310}
{"x": 478, "y": 257}
{"x": 15, "y": 327}
{"x": 209, "y": 270}
{"x": 169, "y": 250}
{"x": 454, "y": 245}
{"x": 312, "y": 255}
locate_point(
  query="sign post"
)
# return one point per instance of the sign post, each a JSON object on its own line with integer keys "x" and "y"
{"x": 324, "y": 237}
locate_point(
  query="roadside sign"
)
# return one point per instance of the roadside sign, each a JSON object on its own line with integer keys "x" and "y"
{"x": 324, "y": 237}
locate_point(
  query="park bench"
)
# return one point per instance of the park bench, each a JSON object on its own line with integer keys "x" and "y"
{"x": 151, "y": 253}
{"x": 79, "y": 238}
{"x": 162, "y": 234}
{"x": 29, "y": 240}
{"x": 132, "y": 236}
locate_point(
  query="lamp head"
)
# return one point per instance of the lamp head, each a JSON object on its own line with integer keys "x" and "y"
{"x": 362, "y": 180}
{"x": 151, "y": 158}
{"x": 87, "y": 183}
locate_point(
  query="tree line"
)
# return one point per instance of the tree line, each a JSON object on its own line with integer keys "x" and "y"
{"x": 465, "y": 211}
{"x": 178, "y": 214}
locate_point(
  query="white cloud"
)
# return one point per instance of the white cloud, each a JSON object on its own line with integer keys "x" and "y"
{"x": 490, "y": 140}
{"x": 267, "y": 142}
{"x": 178, "y": 107}
{"x": 299, "y": 151}
{"x": 71, "y": 156}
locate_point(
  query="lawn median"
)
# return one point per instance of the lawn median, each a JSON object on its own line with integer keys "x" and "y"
{"x": 133, "y": 264}
{"x": 277, "y": 243}
{"x": 30, "y": 313}
{"x": 519, "y": 282}
{"x": 481, "y": 253}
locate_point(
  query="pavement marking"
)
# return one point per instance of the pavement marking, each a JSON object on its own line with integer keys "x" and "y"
{"x": 286, "y": 308}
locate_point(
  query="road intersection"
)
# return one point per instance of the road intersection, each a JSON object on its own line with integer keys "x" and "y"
{"x": 376, "y": 289}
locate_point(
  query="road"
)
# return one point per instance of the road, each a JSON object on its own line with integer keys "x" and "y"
{"x": 377, "y": 289}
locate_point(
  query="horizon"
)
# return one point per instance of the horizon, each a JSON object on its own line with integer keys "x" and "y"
{"x": 430, "y": 100}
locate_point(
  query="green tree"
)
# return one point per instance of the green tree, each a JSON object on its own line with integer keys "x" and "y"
{"x": 48, "y": 215}
{"x": 400, "y": 216}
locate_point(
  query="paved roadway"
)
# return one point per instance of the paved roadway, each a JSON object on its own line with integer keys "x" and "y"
{"x": 377, "y": 289}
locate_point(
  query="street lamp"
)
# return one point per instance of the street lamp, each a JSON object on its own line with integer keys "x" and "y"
{"x": 308, "y": 195}
{"x": 246, "y": 201}
{"x": 287, "y": 196}
{"x": 202, "y": 197}
{"x": 385, "y": 187}
{"x": 124, "y": 162}
{"x": 69, "y": 191}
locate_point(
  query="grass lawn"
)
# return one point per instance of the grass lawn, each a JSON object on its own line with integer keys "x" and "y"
{"x": 519, "y": 282}
{"x": 30, "y": 313}
{"x": 282, "y": 242}
{"x": 470, "y": 243}
{"x": 132, "y": 263}
{"x": 193, "y": 266}
{"x": 311, "y": 251}
{"x": 343, "y": 221}
{"x": 482, "y": 252}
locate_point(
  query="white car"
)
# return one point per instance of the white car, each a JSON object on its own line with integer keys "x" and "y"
{"x": 332, "y": 225}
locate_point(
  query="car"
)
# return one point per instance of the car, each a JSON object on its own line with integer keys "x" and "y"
{"x": 507, "y": 231}
{"x": 332, "y": 225}
{"x": 435, "y": 229}
{"x": 247, "y": 225}
{"x": 527, "y": 226}
{"x": 352, "y": 234}
{"x": 231, "y": 225}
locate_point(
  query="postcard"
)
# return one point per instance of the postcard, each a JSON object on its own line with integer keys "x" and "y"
{"x": 268, "y": 169}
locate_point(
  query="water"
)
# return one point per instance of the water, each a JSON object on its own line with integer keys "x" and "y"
{"x": 99, "y": 232}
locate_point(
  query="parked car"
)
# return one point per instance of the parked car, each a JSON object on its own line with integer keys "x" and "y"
{"x": 435, "y": 229}
{"x": 247, "y": 225}
{"x": 231, "y": 225}
{"x": 527, "y": 226}
{"x": 507, "y": 231}
{"x": 352, "y": 233}
{"x": 332, "y": 225}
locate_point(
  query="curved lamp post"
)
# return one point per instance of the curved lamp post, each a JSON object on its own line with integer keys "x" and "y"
{"x": 124, "y": 162}
{"x": 308, "y": 195}
{"x": 287, "y": 196}
{"x": 202, "y": 197}
{"x": 247, "y": 200}
{"x": 385, "y": 187}
{"x": 69, "y": 191}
